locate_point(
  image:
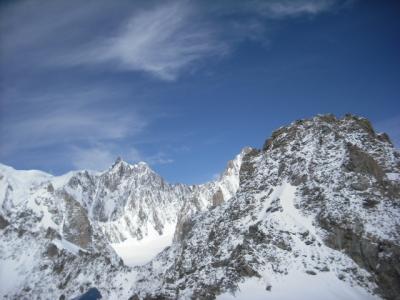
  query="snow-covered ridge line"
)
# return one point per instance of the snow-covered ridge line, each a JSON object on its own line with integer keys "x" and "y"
{"x": 317, "y": 205}
{"x": 86, "y": 212}
{"x": 124, "y": 201}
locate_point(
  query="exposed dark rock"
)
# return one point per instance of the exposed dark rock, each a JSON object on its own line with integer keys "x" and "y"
{"x": 242, "y": 267}
{"x": 361, "y": 184}
{"x": 361, "y": 162}
{"x": 365, "y": 124}
{"x": 21, "y": 232}
{"x": 183, "y": 229}
{"x": 77, "y": 228}
{"x": 52, "y": 234}
{"x": 58, "y": 267}
{"x": 157, "y": 223}
{"x": 299, "y": 179}
{"x": 328, "y": 118}
{"x": 382, "y": 258}
{"x": 65, "y": 281}
{"x": 311, "y": 272}
{"x": 384, "y": 138}
{"x": 324, "y": 269}
{"x": 218, "y": 198}
{"x": 3, "y": 222}
{"x": 50, "y": 188}
{"x": 51, "y": 250}
{"x": 248, "y": 166}
{"x": 256, "y": 234}
{"x": 370, "y": 203}
{"x": 274, "y": 206}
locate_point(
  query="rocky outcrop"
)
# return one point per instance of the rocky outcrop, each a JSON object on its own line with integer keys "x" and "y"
{"x": 76, "y": 227}
{"x": 380, "y": 257}
{"x": 361, "y": 162}
{"x": 218, "y": 198}
{"x": 3, "y": 222}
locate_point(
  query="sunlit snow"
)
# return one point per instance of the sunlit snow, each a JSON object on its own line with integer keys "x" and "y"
{"x": 299, "y": 285}
{"x": 136, "y": 253}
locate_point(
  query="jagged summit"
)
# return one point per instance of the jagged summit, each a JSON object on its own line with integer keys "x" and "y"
{"x": 119, "y": 161}
{"x": 359, "y": 125}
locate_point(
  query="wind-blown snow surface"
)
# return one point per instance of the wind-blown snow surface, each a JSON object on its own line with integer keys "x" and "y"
{"x": 314, "y": 214}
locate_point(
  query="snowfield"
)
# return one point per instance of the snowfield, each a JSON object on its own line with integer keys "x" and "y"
{"x": 137, "y": 253}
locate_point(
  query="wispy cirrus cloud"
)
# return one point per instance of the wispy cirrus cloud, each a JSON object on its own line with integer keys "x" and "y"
{"x": 67, "y": 119}
{"x": 289, "y": 8}
{"x": 170, "y": 38}
{"x": 162, "y": 41}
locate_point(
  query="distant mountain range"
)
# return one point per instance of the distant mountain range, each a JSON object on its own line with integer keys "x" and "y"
{"x": 314, "y": 214}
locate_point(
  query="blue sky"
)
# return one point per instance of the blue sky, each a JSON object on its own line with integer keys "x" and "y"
{"x": 184, "y": 85}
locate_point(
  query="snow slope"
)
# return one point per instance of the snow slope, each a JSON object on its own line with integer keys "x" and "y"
{"x": 137, "y": 253}
{"x": 299, "y": 285}
{"x": 324, "y": 285}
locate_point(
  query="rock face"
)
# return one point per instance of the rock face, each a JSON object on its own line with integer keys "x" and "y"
{"x": 361, "y": 162}
{"x": 128, "y": 201}
{"x": 321, "y": 199}
{"x": 3, "y": 222}
{"x": 380, "y": 257}
{"x": 218, "y": 198}
{"x": 296, "y": 209}
{"x": 76, "y": 227}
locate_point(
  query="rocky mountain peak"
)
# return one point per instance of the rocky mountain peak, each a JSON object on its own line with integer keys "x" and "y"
{"x": 123, "y": 169}
{"x": 319, "y": 202}
{"x": 326, "y": 125}
{"x": 322, "y": 190}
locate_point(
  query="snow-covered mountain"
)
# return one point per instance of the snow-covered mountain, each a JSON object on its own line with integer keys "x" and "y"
{"x": 314, "y": 214}
{"x": 87, "y": 212}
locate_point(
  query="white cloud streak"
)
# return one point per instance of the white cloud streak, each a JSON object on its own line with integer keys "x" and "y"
{"x": 290, "y": 8}
{"x": 162, "y": 41}
{"x": 69, "y": 119}
{"x": 170, "y": 38}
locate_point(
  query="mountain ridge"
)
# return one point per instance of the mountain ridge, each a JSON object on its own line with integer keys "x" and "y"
{"x": 321, "y": 200}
